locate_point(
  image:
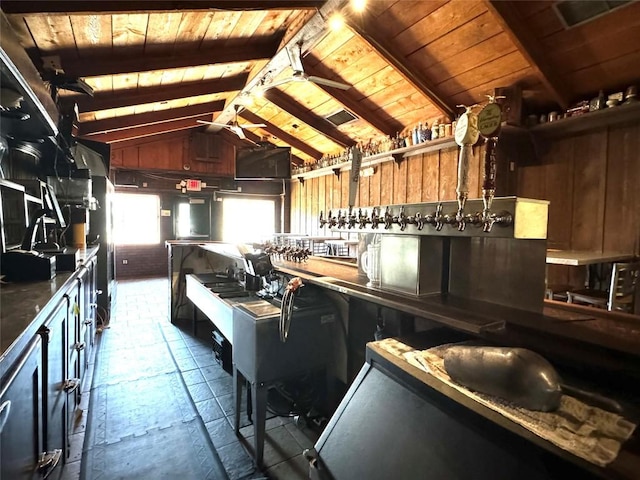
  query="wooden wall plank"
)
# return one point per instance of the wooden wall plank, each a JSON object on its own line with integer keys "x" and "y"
{"x": 386, "y": 183}
{"x": 336, "y": 201}
{"x": 322, "y": 198}
{"x": 448, "y": 174}
{"x": 430, "y": 177}
{"x": 414, "y": 179}
{"x": 374, "y": 187}
{"x": 399, "y": 194}
{"x": 363, "y": 191}
{"x": 589, "y": 153}
{"x": 622, "y": 201}
{"x": 557, "y": 187}
{"x": 344, "y": 179}
{"x": 295, "y": 205}
{"x": 315, "y": 209}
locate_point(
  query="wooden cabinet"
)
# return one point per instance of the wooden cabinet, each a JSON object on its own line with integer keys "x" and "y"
{"x": 206, "y": 147}
{"x": 21, "y": 432}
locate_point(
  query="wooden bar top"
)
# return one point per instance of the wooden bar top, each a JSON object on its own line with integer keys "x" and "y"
{"x": 578, "y": 257}
{"x": 617, "y": 332}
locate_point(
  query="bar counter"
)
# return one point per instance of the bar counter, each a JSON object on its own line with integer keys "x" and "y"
{"x": 24, "y": 306}
{"x": 617, "y": 332}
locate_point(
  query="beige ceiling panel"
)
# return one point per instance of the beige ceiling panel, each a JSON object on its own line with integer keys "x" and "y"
{"x": 161, "y": 32}
{"x": 129, "y": 30}
{"x": 221, "y": 25}
{"x": 91, "y": 32}
{"x": 125, "y": 81}
{"x": 193, "y": 27}
{"x": 52, "y": 33}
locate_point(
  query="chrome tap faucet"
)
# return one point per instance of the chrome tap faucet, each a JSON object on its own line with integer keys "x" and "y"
{"x": 375, "y": 218}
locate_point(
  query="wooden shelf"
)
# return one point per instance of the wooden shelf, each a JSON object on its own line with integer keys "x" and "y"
{"x": 396, "y": 155}
{"x": 588, "y": 121}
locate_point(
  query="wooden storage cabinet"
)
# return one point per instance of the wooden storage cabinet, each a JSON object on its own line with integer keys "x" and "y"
{"x": 21, "y": 429}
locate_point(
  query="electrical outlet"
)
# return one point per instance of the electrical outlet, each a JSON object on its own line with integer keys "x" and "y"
{"x": 124, "y": 262}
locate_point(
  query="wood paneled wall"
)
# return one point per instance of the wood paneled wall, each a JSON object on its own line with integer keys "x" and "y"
{"x": 174, "y": 151}
{"x": 592, "y": 181}
{"x": 421, "y": 178}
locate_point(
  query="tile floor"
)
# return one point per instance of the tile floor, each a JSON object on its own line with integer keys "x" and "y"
{"x": 142, "y": 351}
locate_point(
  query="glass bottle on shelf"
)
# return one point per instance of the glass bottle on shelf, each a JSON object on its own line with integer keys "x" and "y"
{"x": 435, "y": 130}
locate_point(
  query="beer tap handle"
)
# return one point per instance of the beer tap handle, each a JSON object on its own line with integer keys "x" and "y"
{"x": 466, "y": 135}
{"x": 438, "y": 218}
{"x": 362, "y": 218}
{"x": 388, "y": 218}
{"x": 402, "y": 219}
{"x": 375, "y": 218}
{"x": 351, "y": 218}
{"x": 322, "y": 221}
{"x": 420, "y": 221}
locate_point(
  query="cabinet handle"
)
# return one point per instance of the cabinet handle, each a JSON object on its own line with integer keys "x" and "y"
{"x": 5, "y": 409}
{"x": 48, "y": 462}
{"x": 70, "y": 385}
{"x": 80, "y": 346}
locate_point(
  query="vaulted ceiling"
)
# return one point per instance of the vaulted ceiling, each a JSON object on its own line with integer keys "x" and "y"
{"x": 161, "y": 66}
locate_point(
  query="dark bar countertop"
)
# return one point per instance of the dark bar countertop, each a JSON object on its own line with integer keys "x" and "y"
{"x": 24, "y": 306}
{"x": 618, "y": 332}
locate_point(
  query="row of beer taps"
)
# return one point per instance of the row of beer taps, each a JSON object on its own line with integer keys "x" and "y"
{"x": 469, "y": 127}
{"x": 287, "y": 252}
{"x": 437, "y": 219}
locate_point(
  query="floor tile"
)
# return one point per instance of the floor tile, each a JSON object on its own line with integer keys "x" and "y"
{"x": 296, "y": 468}
{"x": 146, "y": 408}
{"x": 221, "y": 432}
{"x": 236, "y": 461}
{"x": 200, "y": 392}
{"x": 209, "y": 410}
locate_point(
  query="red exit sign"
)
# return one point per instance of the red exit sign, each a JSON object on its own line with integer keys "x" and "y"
{"x": 194, "y": 185}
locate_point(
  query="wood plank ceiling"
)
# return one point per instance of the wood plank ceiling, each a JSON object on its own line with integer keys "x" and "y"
{"x": 162, "y": 69}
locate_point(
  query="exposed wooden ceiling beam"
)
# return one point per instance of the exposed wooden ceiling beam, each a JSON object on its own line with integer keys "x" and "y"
{"x": 161, "y": 93}
{"x": 397, "y": 61}
{"x": 116, "y": 62}
{"x": 131, "y": 121}
{"x": 111, "y": 6}
{"x": 281, "y": 134}
{"x": 148, "y": 130}
{"x": 507, "y": 16}
{"x": 307, "y": 32}
{"x": 388, "y": 126}
{"x": 288, "y": 104}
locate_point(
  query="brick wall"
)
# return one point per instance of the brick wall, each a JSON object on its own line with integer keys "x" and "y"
{"x": 141, "y": 261}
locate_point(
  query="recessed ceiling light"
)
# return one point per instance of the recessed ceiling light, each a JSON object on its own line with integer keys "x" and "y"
{"x": 336, "y": 22}
{"x": 358, "y": 5}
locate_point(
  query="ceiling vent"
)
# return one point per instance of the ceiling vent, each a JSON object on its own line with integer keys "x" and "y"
{"x": 341, "y": 117}
{"x": 577, "y": 12}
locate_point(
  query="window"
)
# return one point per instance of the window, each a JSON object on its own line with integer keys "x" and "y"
{"x": 246, "y": 220}
{"x": 136, "y": 219}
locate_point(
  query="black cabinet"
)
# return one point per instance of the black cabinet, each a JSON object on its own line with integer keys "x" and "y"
{"x": 21, "y": 427}
{"x": 55, "y": 378}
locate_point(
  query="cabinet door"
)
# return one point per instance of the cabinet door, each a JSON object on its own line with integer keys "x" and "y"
{"x": 21, "y": 434}
{"x": 88, "y": 314}
{"x": 56, "y": 378}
